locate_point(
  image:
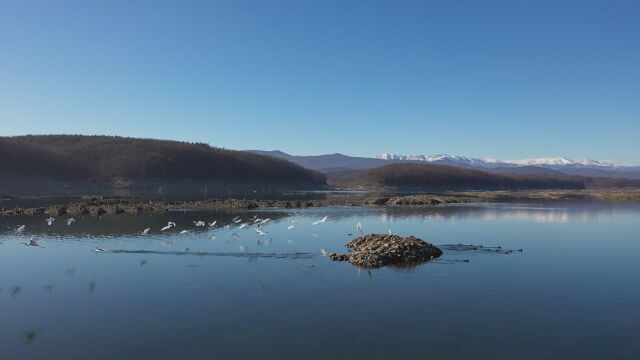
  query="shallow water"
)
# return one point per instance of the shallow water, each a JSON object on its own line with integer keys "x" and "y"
{"x": 572, "y": 293}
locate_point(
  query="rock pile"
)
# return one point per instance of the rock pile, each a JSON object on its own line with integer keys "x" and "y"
{"x": 376, "y": 250}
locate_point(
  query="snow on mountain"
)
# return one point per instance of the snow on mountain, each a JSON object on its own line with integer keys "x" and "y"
{"x": 491, "y": 162}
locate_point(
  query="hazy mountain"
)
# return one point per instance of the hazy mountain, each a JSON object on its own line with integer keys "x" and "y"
{"x": 564, "y": 165}
{"x": 539, "y": 166}
{"x": 327, "y": 163}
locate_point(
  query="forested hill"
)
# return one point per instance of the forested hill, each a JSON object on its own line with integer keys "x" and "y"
{"x": 443, "y": 177}
{"x": 102, "y": 158}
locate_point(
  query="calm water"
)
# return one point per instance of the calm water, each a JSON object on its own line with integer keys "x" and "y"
{"x": 573, "y": 293}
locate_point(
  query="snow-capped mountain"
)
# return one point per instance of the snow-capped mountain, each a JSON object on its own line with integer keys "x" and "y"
{"x": 543, "y": 166}
{"x": 557, "y": 162}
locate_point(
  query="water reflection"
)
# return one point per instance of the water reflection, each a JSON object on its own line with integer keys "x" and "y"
{"x": 558, "y": 213}
{"x": 538, "y": 303}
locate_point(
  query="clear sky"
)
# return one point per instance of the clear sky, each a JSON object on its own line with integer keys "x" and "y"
{"x": 505, "y": 79}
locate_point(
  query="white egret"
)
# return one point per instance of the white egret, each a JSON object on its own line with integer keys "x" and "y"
{"x": 146, "y": 231}
{"x": 199, "y": 223}
{"x": 290, "y": 227}
{"x": 33, "y": 242}
{"x": 70, "y": 221}
{"x": 358, "y": 227}
{"x": 184, "y": 231}
{"x": 169, "y": 226}
{"x": 324, "y": 252}
{"x": 321, "y": 221}
{"x": 242, "y": 226}
{"x": 259, "y": 231}
{"x": 264, "y": 221}
{"x": 212, "y": 224}
{"x": 50, "y": 220}
{"x": 21, "y": 229}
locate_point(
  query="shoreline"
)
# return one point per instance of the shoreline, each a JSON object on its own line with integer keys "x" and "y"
{"x": 100, "y": 206}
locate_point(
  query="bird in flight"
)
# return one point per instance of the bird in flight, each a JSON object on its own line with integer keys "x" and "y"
{"x": 33, "y": 242}
{"x": 321, "y": 221}
{"x": 169, "y": 226}
{"x": 21, "y": 229}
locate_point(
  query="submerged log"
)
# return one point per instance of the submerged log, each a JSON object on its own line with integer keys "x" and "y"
{"x": 377, "y": 250}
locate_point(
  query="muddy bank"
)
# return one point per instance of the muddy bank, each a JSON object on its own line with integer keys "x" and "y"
{"x": 100, "y": 206}
{"x": 136, "y": 206}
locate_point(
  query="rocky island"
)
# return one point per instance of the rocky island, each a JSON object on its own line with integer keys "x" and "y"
{"x": 377, "y": 250}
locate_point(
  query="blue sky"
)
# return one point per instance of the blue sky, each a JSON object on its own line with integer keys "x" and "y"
{"x": 506, "y": 79}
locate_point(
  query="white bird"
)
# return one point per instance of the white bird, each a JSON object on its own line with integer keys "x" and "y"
{"x": 70, "y": 221}
{"x": 99, "y": 249}
{"x": 50, "y": 220}
{"x": 184, "y": 231}
{"x": 321, "y": 221}
{"x": 257, "y": 220}
{"x": 262, "y": 233}
{"x": 242, "y": 226}
{"x": 169, "y": 226}
{"x": 293, "y": 221}
{"x": 199, "y": 223}
{"x": 290, "y": 227}
{"x": 21, "y": 229}
{"x": 212, "y": 224}
{"x": 389, "y": 231}
{"x": 226, "y": 226}
{"x": 146, "y": 231}
{"x": 358, "y": 227}
{"x": 264, "y": 221}
{"x": 324, "y": 252}
{"x": 33, "y": 242}
{"x": 235, "y": 218}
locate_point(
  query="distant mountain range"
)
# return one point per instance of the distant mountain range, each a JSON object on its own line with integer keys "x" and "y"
{"x": 539, "y": 166}
{"x": 489, "y": 162}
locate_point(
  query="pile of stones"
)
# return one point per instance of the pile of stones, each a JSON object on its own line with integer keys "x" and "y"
{"x": 377, "y": 250}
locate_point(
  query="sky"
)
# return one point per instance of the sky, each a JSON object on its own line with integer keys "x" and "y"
{"x": 504, "y": 79}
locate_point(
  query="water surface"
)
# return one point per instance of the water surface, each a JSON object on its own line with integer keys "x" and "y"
{"x": 572, "y": 293}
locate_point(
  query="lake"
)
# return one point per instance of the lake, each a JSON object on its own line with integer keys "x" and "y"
{"x": 572, "y": 293}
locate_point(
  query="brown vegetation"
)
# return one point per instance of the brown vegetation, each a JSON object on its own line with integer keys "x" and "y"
{"x": 443, "y": 177}
{"x": 103, "y": 158}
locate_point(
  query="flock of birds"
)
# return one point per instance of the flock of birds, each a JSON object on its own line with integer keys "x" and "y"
{"x": 237, "y": 222}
